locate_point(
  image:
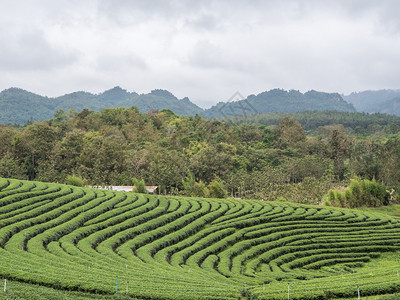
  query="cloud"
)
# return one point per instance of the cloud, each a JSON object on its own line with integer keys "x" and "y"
{"x": 30, "y": 50}
{"x": 206, "y": 50}
{"x": 116, "y": 63}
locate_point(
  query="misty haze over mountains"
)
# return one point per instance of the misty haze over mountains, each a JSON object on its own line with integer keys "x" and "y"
{"x": 382, "y": 101}
{"x": 19, "y": 106}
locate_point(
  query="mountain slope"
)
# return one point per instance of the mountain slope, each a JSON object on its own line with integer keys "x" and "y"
{"x": 381, "y": 101}
{"x": 19, "y": 106}
{"x": 278, "y": 100}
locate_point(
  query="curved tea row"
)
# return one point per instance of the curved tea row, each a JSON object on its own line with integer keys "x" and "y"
{"x": 187, "y": 248}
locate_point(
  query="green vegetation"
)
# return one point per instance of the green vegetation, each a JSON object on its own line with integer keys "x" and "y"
{"x": 361, "y": 193}
{"x": 74, "y": 180}
{"x": 389, "y": 210}
{"x": 75, "y": 242}
{"x": 217, "y": 189}
{"x": 278, "y": 100}
{"x": 22, "y": 291}
{"x": 38, "y": 108}
{"x": 197, "y": 157}
{"x": 140, "y": 186}
{"x": 357, "y": 123}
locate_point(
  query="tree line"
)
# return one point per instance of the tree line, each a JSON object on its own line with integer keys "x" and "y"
{"x": 358, "y": 123}
{"x": 198, "y": 157}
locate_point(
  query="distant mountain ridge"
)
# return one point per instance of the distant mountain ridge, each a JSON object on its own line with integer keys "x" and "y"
{"x": 381, "y": 101}
{"x": 19, "y": 106}
{"x": 278, "y": 100}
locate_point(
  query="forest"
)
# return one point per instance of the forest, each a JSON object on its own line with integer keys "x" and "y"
{"x": 193, "y": 156}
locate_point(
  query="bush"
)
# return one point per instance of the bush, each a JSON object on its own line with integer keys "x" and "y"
{"x": 217, "y": 189}
{"x": 192, "y": 188}
{"x": 361, "y": 192}
{"x": 74, "y": 180}
{"x": 140, "y": 186}
{"x": 200, "y": 190}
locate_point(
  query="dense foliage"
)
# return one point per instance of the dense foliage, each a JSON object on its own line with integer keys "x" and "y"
{"x": 356, "y": 123}
{"x": 156, "y": 247}
{"x": 139, "y": 186}
{"x": 361, "y": 193}
{"x": 115, "y": 145}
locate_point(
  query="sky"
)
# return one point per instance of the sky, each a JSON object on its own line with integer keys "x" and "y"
{"x": 205, "y": 50}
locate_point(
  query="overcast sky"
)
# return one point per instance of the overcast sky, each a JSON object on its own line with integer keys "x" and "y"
{"x": 206, "y": 50}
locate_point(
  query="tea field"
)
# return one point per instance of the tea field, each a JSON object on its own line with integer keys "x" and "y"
{"x": 94, "y": 244}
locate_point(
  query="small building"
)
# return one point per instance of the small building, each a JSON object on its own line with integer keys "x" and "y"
{"x": 121, "y": 188}
{"x": 151, "y": 189}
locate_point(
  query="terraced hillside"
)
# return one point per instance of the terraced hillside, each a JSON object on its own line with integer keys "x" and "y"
{"x": 186, "y": 248}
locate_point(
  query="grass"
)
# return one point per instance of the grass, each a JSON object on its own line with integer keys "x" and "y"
{"x": 390, "y": 210}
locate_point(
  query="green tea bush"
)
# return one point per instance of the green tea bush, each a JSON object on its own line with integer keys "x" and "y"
{"x": 79, "y": 239}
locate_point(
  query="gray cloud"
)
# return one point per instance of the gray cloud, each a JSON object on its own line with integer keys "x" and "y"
{"x": 202, "y": 49}
{"x": 29, "y": 50}
{"x": 115, "y": 63}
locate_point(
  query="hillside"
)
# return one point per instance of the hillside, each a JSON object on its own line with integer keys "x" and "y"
{"x": 278, "y": 100}
{"x": 156, "y": 247}
{"x": 19, "y": 106}
{"x": 381, "y": 101}
{"x": 311, "y": 120}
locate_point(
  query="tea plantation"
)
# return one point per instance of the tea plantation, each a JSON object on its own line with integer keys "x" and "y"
{"x": 141, "y": 246}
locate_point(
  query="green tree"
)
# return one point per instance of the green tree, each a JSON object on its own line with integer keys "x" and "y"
{"x": 290, "y": 133}
{"x": 339, "y": 144}
{"x": 217, "y": 188}
{"x": 200, "y": 190}
{"x": 188, "y": 185}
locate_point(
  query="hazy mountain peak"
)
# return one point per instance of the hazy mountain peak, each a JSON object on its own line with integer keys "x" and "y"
{"x": 380, "y": 101}
{"x": 162, "y": 93}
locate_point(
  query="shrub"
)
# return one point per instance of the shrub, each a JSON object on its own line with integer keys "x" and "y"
{"x": 200, "y": 190}
{"x": 361, "y": 192}
{"x": 140, "y": 186}
{"x": 217, "y": 189}
{"x": 74, "y": 180}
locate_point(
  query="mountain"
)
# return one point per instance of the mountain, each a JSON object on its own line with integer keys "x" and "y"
{"x": 381, "y": 101}
{"x": 162, "y": 99}
{"x": 278, "y": 100}
{"x": 19, "y": 106}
